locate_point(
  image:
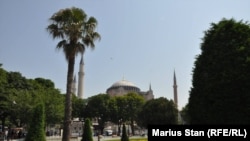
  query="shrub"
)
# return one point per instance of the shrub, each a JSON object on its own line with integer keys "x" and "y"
{"x": 36, "y": 127}
{"x": 124, "y": 134}
{"x": 87, "y": 132}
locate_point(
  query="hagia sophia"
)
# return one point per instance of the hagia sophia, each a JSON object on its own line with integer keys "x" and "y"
{"x": 118, "y": 88}
{"x": 123, "y": 87}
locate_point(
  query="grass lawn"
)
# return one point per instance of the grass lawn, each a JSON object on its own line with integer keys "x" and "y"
{"x": 130, "y": 139}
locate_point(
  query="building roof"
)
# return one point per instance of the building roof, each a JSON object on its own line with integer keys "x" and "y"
{"x": 123, "y": 83}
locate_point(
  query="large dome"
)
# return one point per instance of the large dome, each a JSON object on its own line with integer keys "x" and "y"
{"x": 123, "y": 83}
{"x": 122, "y": 87}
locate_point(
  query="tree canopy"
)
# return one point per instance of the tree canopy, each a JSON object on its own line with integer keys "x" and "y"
{"x": 158, "y": 111}
{"x": 19, "y": 95}
{"x": 221, "y": 78}
{"x": 36, "y": 130}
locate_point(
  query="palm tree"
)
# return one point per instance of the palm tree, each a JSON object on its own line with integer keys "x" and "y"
{"x": 77, "y": 33}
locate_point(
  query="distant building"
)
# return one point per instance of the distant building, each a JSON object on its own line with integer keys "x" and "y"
{"x": 175, "y": 91}
{"x": 123, "y": 87}
{"x": 118, "y": 88}
{"x": 80, "y": 88}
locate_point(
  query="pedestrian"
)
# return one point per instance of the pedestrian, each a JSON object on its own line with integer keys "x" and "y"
{"x": 9, "y": 134}
{"x": 5, "y": 134}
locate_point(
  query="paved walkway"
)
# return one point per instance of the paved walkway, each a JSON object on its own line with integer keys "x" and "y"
{"x": 58, "y": 138}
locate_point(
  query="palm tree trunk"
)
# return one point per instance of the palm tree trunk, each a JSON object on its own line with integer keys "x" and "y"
{"x": 68, "y": 102}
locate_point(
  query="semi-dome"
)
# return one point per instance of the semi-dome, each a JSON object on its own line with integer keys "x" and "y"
{"x": 123, "y": 83}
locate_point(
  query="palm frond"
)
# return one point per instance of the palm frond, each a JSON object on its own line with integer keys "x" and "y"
{"x": 80, "y": 48}
{"x": 61, "y": 44}
{"x": 92, "y": 20}
{"x": 96, "y": 36}
{"x": 78, "y": 15}
{"x": 76, "y": 30}
{"x": 55, "y": 31}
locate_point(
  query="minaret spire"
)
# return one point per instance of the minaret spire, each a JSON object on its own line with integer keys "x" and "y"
{"x": 175, "y": 91}
{"x": 74, "y": 86}
{"x": 81, "y": 79}
{"x": 150, "y": 89}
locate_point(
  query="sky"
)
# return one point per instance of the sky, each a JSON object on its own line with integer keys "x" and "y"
{"x": 142, "y": 41}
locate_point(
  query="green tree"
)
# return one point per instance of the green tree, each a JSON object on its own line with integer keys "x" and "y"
{"x": 124, "y": 133}
{"x": 17, "y": 88}
{"x": 52, "y": 98}
{"x": 185, "y": 115}
{"x": 36, "y": 127}
{"x": 54, "y": 106}
{"x": 113, "y": 113}
{"x": 45, "y": 83}
{"x": 101, "y": 112}
{"x": 122, "y": 111}
{"x": 4, "y": 98}
{"x": 134, "y": 105}
{"x": 19, "y": 95}
{"x": 221, "y": 78}
{"x": 24, "y": 102}
{"x": 158, "y": 111}
{"x": 78, "y": 106}
{"x": 77, "y": 32}
{"x": 87, "y": 132}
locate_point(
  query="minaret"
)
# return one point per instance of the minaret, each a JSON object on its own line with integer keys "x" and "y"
{"x": 175, "y": 91}
{"x": 150, "y": 89}
{"x": 150, "y": 93}
{"x": 80, "y": 79}
{"x": 74, "y": 86}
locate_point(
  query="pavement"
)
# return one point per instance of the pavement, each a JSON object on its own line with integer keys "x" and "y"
{"x": 58, "y": 138}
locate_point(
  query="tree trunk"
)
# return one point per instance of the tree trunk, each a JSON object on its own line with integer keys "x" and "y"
{"x": 3, "y": 123}
{"x": 68, "y": 102}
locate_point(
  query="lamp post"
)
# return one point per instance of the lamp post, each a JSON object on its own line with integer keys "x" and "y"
{"x": 99, "y": 128}
{"x": 82, "y": 120}
{"x": 119, "y": 126}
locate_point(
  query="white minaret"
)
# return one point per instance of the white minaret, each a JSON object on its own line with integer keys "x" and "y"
{"x": 81, "y": 79}
{"x": 74, "y": 86}
{"x": 175, "y": 91}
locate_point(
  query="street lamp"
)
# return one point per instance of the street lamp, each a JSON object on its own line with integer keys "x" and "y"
{"x": 119, "y": 126}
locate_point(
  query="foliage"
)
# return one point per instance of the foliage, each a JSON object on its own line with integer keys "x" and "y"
{"x": 4, "y": 99}
{"x": 127, "y": 106}
{"x": 116, "y": 109}
{"x": 54, "y": 105}
{"x": 87, "y": 132}
{"x": 77, "y": 32}
{"x": 113, "y": 110}
{"x": 124, "y": 134}
{"x": 184, "y": 115}
{"x": 134, "y": 105}
{"x": 158, "y": 111}
{"x": 78, "y": 106}
{"x": 101, "y": 111}
{"x": 36, "y": 129}
{"x": 45, "y": 83}
{"x": 221, "y": 78}
{"x": 19, "y": 95}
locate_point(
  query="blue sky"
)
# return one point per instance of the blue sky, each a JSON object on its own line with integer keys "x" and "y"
{"x": 143, "y": 41}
